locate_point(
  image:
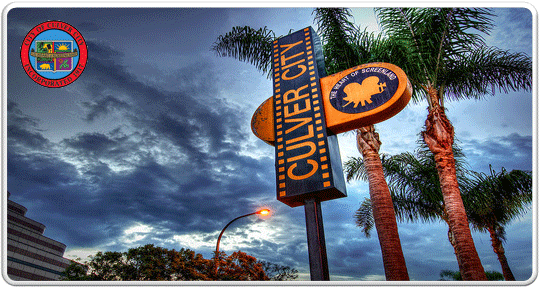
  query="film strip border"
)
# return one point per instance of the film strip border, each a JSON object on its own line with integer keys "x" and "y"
{"x": 320, "y": 125}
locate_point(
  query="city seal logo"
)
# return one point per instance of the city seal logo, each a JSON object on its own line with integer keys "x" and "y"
{"x": 363, "y": 90}
{"x": 54, "y": 54}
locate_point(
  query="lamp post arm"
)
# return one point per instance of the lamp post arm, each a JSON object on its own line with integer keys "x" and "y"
{"x": 223, "y": 230}
{"x": 219, "y": 239}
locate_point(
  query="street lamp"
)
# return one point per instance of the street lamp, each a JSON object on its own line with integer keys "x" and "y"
{"x": 263, "y": 212}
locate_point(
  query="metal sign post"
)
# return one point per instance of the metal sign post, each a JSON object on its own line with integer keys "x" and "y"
{"x": 318, "y": 263}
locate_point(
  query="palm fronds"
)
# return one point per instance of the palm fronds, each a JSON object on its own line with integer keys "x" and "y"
{"x": 248, "y": 45}
{"x": 486, "y": 70}
{"x": 336, "y": 33}
{"x": 364, "y": 217}
{"x": 413, "y": 181}
{"x": 497, "y": 198}
{"x": 444, "y": 48}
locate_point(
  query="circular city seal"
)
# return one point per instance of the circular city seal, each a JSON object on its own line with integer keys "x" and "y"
{"x": 54, "y": 54}
{"x": 364, "y": 90}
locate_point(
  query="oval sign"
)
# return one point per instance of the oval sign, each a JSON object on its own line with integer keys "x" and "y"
{"x": 354, "y": 98}
{"x": 364, "y": 95}
{"x": 364, "y": 90}
{"x": 262, "y": 122}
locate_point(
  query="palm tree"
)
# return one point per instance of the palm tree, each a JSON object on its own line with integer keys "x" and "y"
{"x": 445, "y": 57}
{"x": 414, "y": 187}
{"x": 382, "y": 207}
{"x": 494, "y": 200}
{"x": 344, "y": 46}
{"x": 491, "y": 201}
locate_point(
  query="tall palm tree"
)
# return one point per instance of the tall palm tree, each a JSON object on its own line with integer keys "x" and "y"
{"x": 414, "y": 187}
{"x": 494, "y": 200}
{"x": 445, "y": 57}
{"x": 491, "y": 201}
{"x": 345, "y": 46}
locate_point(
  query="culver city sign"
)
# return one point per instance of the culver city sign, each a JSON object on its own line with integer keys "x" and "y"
{"x": 309, "y": 108}
{"x": 303, "y": 117}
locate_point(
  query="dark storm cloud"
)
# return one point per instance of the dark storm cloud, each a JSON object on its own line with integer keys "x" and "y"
{"x": 201, "y": 131}
{"x": 513, "y": 151}
{"x": 357, "y": 260}
{"x": 31, "y": 172}
{"x": 179, "y": 198}
{"x": 514, "y": 30}
{"x": 185, "y": 116}
{"x": 89, "y": 27}
{"x": 16, "y": 116}
{"x": 91, "y": 142}
{"x": 22, "y": 129}
{"x": 102, "y": 107}
{"x": 26, "y": 137}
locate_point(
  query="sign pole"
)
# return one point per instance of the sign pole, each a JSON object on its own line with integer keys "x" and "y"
{"x": 318, "y": 262}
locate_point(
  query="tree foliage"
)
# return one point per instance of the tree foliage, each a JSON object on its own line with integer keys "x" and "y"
{"x": 490, "y": 200}
{"x": 152, "y": 263}
{"x": 249, "y": 45}
{"x": 444, "y": 48}
{"x": 449, "y": 275}
{"x": 498, "y": 197}
{"x": 413, "y": 182}
{"x": 446, "y": 57}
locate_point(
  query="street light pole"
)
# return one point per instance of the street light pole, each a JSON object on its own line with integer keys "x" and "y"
{"x": 263, "y": 212}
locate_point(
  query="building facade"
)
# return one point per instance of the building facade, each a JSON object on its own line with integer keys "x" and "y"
{"x": 30, "y": 255}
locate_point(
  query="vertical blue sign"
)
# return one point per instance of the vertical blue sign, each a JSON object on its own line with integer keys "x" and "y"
{"x": 308, "y": 163}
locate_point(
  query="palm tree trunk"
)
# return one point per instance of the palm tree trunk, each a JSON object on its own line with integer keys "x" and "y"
{"x": 452, "y": 240}
{"x": 383, "y": 209}
{"x": 439, "y": 137}
{"x": 499, "y": 250}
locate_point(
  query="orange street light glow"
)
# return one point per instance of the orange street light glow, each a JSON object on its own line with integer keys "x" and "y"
{"x": 264, "y": 212}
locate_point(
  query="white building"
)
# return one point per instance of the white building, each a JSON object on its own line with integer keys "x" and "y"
{"x": 30, "y": 255}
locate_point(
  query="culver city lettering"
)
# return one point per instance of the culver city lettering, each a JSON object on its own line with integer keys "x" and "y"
{"x": 297, "y": 115}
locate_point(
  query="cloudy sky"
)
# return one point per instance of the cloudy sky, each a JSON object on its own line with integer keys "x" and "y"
{"x": 152, "y": 144}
